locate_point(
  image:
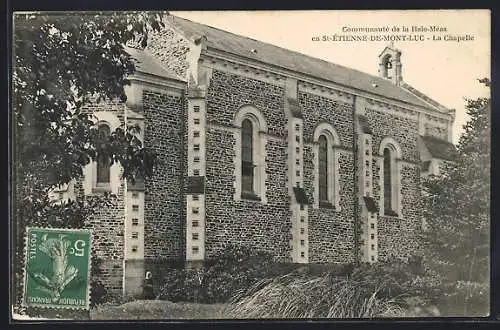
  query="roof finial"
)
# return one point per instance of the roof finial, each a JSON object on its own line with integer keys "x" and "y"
{"x": 391, "y": 45}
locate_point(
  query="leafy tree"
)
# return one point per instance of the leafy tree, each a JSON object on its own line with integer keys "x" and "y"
{"x": 61, "y": 63}
{"x": 457, "y": 206}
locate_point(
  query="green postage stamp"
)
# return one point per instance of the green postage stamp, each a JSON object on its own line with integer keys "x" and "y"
{"x": 57, "y": 268}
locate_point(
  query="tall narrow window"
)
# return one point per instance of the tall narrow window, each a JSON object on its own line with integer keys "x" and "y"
{"x": 323, "y": 168}
{"x": 387, "y": 181}
{"x": 326, "y": 167}
{"x": 390, "y": 177}
{"x": 247, "y": 157}
{"x": 103, "y": 162}
{"x": 250, "y": 155}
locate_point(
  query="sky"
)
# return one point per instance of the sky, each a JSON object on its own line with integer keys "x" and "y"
{"x": 445, "y": 70}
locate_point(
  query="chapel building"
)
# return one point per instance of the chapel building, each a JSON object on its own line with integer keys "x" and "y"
{"x": 266, "y": 147}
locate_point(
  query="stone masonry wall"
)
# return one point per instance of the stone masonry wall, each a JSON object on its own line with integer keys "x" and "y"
{"x": 331, "y": 232}
{"x": 108, "y": 222}
{"x": 397, "y": 236}
{"x": 403, "y": 130}
{"x": 163, "y": 192}
{"x": 265, "y": 227}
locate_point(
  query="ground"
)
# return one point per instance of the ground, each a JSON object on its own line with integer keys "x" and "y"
{"x": 158, "y": 309}
{"x": 134, "y": 310}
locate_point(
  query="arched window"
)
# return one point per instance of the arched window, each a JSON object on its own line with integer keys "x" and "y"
{"x": 386, "y": 66}
{"x": 250, "y": 154}
{"x": 327, "y": 192}
{"x": 103, "y": 162}
{"x": 388, "y": 63}
{"x": 247, "y": 175}
{"x": 323, "y": 168}
{"x": 387, "y": 181}
{"x": 390, "y": 153}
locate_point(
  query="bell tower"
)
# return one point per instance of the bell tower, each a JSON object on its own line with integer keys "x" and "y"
{"x": 390, "y": 66}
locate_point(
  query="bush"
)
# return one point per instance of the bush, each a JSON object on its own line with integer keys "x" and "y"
{"x": 392, "y": 277}
{"x": 232, "y": 270}
{"x": 391, "y": 288}
{"x": 462, "y": 298}
{"x": 98, "y": 292}
{"x": 174, "y": 287}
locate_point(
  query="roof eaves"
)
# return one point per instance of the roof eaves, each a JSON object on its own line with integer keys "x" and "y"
{"x": 439, "y": 148}
{"x": 148, "y": 64}
{"x": 197, "y": 29}
{"x": 347, "y": 88}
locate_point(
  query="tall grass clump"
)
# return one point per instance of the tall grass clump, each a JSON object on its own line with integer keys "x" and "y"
{"x": 305, "y": 296}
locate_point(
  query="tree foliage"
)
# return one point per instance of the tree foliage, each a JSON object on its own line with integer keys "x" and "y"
{"x": 457, "y": 206}
{"x": 61, "y": 63}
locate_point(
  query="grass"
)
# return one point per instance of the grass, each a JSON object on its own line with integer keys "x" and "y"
{"x": 291, "y": 296}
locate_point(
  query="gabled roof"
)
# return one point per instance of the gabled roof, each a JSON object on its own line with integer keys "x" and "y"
{"x": 439, "y": 148}
{"x": 147, "y": 63}
{"x": 266, "y": 53}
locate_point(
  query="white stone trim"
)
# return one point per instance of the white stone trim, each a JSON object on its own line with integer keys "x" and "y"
{"x": 216, "y": 55}
{"x": 140, "y": 82}
{"x": 259, "y": 139}
{"x": 326, "y": 92}
{"x": 293, "y": 167}
{"x": 390, "y": 141}
{"x": 196, "y": 111}
{"x": 392, "y": 110}
{"x": 396, "y": 155}
{"x": 63, "y": 193}
{"x": 364, "y": 159}
{"x": 298, "y": 236}
{"x": 130, "y": 228}
{"x": 250, "y": 112}
{"x": 200, "y": 140}
{"x": 244, "y": 70}
{"x": 90, "y": 170}
{"x": 368, "y": 254}
{"x": 190, "y": 229}
{"x": 333, "y": 141}
{"x": 107, "y": 117}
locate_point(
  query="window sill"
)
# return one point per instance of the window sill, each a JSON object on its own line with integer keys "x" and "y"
{"x": 100, "y": 189}
{"x": 326, "y": 205}
{"x": 390, "y": 213}
{"x": 250, "y": 196}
